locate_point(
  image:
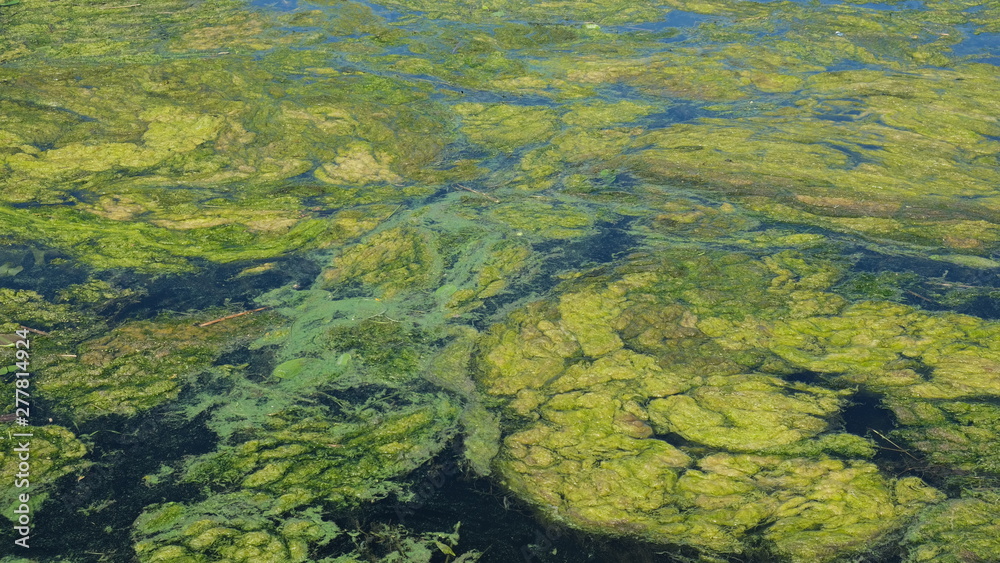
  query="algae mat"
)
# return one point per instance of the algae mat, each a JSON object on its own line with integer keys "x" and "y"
{"x": 412, "y": 280}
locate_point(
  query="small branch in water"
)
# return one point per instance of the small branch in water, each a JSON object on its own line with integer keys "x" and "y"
{"x": 899, "y": 448}
{"x": 227, "y": 317}
{"x": 960, "y": 285}
{"x": 35, "y": 330}
{"x": 393, "y": 212}
{"x": 920, "y": 296}
{"x": 487, "y": 196}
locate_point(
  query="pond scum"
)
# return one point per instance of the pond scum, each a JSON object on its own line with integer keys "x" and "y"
{"x": 714, "y": 276}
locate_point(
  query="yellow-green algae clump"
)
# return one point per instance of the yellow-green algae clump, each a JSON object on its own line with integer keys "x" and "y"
{"x": 137, "y": 366}
{"x": 196, "y": 132}
{"x": 652, "y": 400}
{"x": 156, "y": 163}
{"x": 53, "y": 453}
{"x": 957, "y": 530}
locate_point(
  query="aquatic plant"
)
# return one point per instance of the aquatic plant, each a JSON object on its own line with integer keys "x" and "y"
{"x": 54, "y": 452}
{"x": 446, "y": 175}
{"x": 136, "y": 366}
{"x": 665, "y": 383}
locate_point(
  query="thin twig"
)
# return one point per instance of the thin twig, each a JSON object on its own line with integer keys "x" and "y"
{"x": 116, "y": 7}
{"x": 393, "y": 211}
{"x": 227, "y": 317}
{"x": 900, "y": 449}
{"x": 961, "y": 285}
{"x": 920, "y": 296}
{"x": 487, "y": 196}
{"x": 35, "y": 330}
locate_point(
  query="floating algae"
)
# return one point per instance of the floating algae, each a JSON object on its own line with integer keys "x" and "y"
{"x": 956, "y": 530}
{"x": 136, "y": 367}
{"x": 54, "y": 452}
{"x": 443, "y": 165}
{"x": 663, "y": 384}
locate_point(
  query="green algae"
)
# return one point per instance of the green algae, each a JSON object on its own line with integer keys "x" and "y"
{"x": 136, "y": 366}
{"x": 888, "y": 168}
{"x": 953, "y": 438}
{"x": 385, "y": 152}
{"x": 962, "y": 529}
{"x": 556, "y": 12}
{"x": 506, "y": 127}
{"x": 339, "y": 423}
{"x": 745, "y": 413}
{"x": 233, "y": 528}
{"x": 54, "y": 452}
{"x": 226, "y": 528}
{"x": 206, "y": 146}
{"x": 555, "y": 220}
{"x": 299, "y": 458}
{"x": 387, "y": 262}
{"x": 681, "y": 359}
{"x": 883, "y": 286}
{"x": 236, "y": 140}
{"x": 125, "y": 33}
{"x": 30, "y": 308}
{"x": 342, "y": 419}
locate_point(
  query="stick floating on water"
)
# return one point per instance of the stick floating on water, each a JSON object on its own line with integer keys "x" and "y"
{"x": 227, "y": 317}
{"x": 487, "y": 196}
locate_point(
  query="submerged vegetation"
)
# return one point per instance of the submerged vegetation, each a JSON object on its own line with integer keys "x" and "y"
{"x": 644, "y": 263}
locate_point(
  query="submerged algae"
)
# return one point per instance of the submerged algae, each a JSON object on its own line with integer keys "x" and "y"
{"x": 228, "y": 528}
{"x": 340, "y": 422}
{"x": 885, "y": 176}
{"x": 192, "y": 175}
{"x": 387, "y": 262}
{"x": 303, "y": 458}
{"x": 288, "y": 469}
